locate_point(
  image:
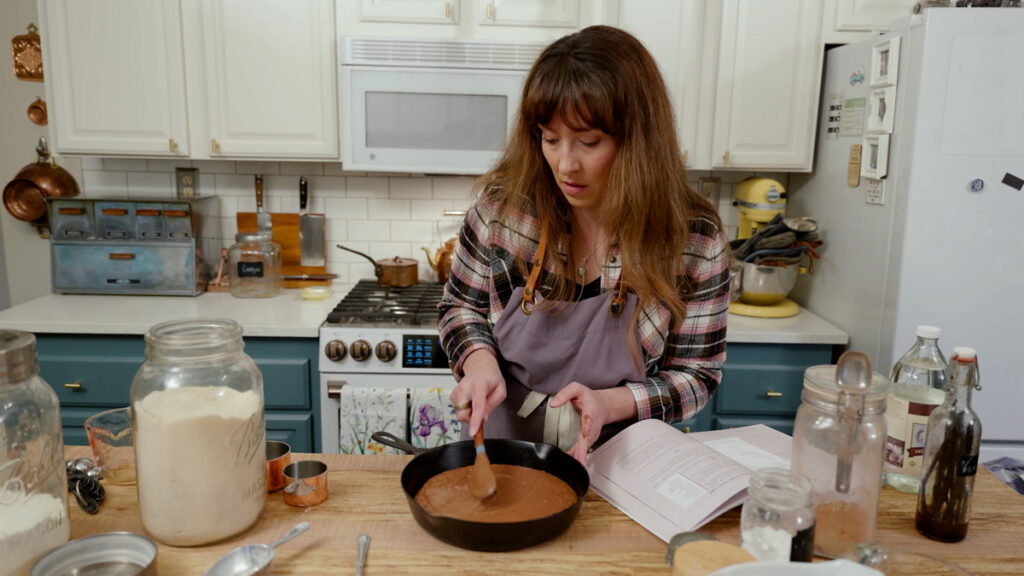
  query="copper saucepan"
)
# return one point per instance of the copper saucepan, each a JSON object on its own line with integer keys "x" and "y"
{"x": 398, "y": 272}
{"x": 25, "y": 196}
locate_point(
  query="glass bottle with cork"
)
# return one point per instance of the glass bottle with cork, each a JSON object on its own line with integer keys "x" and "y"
{"x": 917, "y": 384}
{"x": 951, "y": 455}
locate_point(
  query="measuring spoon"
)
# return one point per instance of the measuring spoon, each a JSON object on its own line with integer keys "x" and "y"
{"x": 253, "y": 558}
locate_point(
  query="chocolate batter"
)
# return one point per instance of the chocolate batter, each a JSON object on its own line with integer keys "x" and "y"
{"x": 523, "y": 494}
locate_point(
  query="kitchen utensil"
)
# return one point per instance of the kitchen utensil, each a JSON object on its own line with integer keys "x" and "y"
{"x": 37, "y": 112}
{"x": 762, "y": 285}
{"x": 25, "y": 196}
{"x": 441, "y": 260}
{"x": 311, "y": 231}
{"x": 853, "y": 378}
{"x": 362, "y": 547}
{"x": 253, "y": 558}
{"x": 482, "y": 482}
{"x": 279, "y": 455}
{"x": 27, "y": 55}
{"x": 400, "y": 272}
{"x": 311, "y": 277}
{"x": 489, "y": 536}
{"x": 305, "y": 483}
{"x": 108, "y": 554}
{"x": 110, "y": 437}
{"x": 262, "y": 218}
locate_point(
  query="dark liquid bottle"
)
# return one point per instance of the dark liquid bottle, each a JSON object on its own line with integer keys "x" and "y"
{"x": 951, "y": 455}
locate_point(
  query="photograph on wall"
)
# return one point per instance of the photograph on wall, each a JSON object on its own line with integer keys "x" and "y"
{"x": 875, "y": 156}
{"x": 885, "y": 62}
{"x": 881, "y": 109}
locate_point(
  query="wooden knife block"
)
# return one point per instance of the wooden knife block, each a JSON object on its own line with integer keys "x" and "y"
{"x": 285, "y": 228}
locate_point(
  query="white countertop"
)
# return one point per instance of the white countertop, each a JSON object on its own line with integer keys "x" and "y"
{"x": 288, "y": 315}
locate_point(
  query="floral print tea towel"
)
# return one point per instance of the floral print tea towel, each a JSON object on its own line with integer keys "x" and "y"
{"x": 432, "y": 418}
{"x": 368, "y": 409}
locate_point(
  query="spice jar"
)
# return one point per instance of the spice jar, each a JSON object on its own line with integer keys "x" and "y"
{"x": 838, "y": 439}
{"x": 33, "y": 477}
{"x": 197, "y": 405}
{"x": 254, "y": 262}
{"x": 777, "y": 520}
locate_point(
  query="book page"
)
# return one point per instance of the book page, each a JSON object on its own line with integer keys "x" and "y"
{"x": 672, "y": 482}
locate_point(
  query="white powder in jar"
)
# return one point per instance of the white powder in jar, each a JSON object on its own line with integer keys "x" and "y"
{"x": 200, "y": 463}
{"x": 766, "y": 543}
{"x": 30, "y": 526}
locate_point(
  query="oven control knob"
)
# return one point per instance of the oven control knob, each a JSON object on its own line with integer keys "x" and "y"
{"x": 335, "y": 350}
{"x": 360, "y": 350}
{"x": 386, "y": 351}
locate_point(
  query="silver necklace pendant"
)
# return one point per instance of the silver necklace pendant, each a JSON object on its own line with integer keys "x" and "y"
{"x": 582, "y": 270}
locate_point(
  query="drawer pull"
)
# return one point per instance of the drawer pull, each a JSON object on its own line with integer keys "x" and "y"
{"x": 76, "y": 385}
{"x": 686, "y": 429}
{"x": 114, "y": 212}
{"x": 71, "y": 211}
{"x": 122, "y": 256}
{"x": 147, "y": 212}
{"x": 773, "y": 394}
{"x": 176, "y": 213}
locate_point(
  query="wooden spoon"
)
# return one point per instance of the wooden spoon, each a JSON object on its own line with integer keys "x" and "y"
{"x": 482, "y": 483}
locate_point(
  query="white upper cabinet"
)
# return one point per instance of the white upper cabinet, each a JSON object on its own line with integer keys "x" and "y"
{"x": 848, "y": 21}
{"x": 561, "y": 13}
{"x": 270, "y": 78}
{"x": 192, "y": 78}
{"x": 115, "y": 78}
{"x": 767, "y": 86}
{"x": 413, "y": 11}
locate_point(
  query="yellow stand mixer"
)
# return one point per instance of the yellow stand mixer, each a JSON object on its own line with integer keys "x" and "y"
{"x": 761, "y": 291}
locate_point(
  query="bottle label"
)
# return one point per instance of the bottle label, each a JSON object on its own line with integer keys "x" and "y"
{"x": 250, "y": 269}
{"x": 906, "y": 423}
{"x": 967, "y": 466}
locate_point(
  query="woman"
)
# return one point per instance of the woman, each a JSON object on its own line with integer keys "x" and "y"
{"x": 589, "y": 287}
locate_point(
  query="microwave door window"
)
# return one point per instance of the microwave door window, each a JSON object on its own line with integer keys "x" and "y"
{"x": 425, "y": 121}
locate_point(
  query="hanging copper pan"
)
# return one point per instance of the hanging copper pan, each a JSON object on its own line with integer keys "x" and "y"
{"x": 25, "y": 196}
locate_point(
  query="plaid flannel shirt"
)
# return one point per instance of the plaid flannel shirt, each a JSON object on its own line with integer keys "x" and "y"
{"x": 683, "y": 366}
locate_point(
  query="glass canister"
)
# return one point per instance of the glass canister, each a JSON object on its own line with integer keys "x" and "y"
{"x": 197, "y": 405}
{"x": 838, "y": 441}
{"x": 33, "y": 477}
{"x": 777, "y": 520}
{"x": 254, "y": 262}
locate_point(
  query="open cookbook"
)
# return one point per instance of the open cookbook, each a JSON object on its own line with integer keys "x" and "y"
{"x": 672, "y": 482}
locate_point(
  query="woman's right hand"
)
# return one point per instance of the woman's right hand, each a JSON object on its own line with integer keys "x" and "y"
{"x": 480, "y": 391}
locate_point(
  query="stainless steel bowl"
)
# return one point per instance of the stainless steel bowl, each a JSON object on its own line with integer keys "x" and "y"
{"x": 109, "y": 554}
{"x": 761, "y": 285}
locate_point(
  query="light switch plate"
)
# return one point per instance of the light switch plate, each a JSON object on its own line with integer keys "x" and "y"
{"x": 710, "y": 189}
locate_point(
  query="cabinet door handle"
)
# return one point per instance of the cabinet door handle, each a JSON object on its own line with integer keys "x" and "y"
{"x": 490, "y": 11}
{"x": 773, "y": 394}
{"x": 334, "y": 388}
{"x": 122, "y": 256}
{"x": 725, "y": 157}
{"x": 448, "y": 10}
{"x": 214, "y": 146}
{"x": 686, "y": 157}
{"x": 172, "y": 144}
{"x": 76, "y": 385}
{"x": 686, "y": 429}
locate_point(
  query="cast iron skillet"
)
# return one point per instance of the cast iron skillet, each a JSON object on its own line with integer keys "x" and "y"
{"x": 489, "y": 536}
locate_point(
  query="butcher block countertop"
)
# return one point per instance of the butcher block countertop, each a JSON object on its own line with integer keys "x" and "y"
{"x": 366, "y": 497}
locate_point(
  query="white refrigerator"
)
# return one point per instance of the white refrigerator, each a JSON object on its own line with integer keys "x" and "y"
{"x": 938, "y": 239}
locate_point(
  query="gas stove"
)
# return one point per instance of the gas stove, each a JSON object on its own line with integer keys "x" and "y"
{"x": 370, "y": 303}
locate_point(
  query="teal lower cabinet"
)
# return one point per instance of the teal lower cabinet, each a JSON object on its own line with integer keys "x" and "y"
{"x": 92, "y": 373}
{"x": 761, "y": 384}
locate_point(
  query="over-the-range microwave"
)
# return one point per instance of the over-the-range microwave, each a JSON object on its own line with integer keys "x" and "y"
{"x": 432, "y": 106}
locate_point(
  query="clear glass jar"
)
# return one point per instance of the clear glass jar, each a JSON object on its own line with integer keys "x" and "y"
{"x": 827, "y": 428}
{"x": 777, "y": 520}
{"x": 33, "y": 477}
{"x": 197, "y": 405}
{"x": 254, "y": 262}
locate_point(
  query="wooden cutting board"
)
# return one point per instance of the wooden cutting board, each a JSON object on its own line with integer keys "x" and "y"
{"x": 285, "y": 228}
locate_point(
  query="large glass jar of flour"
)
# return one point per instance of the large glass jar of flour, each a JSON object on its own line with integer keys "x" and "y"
{"x": 197, "y": 408}
{"x": 33, "y": 477}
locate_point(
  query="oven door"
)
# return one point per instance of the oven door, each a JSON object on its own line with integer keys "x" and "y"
{"x": 414, "y": 407}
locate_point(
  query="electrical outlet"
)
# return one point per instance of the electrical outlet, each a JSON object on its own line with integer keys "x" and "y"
{"x": 187, "y": 180}
{"x": 710, "y": 189}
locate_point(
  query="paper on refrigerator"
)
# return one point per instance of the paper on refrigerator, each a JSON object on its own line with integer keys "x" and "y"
{"x": 671, "y": 482}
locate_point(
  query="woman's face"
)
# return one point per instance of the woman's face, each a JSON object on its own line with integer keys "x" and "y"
{"x": 579, "y": 160}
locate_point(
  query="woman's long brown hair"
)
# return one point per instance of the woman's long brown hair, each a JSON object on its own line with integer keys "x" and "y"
{"x": 603, "y": 77}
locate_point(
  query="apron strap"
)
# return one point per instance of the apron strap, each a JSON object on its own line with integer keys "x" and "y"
{"x": 538, "y": 264}
{"x": 561, "y": 425}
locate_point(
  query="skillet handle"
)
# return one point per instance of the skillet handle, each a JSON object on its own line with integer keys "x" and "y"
{"x": 389, "y": 439}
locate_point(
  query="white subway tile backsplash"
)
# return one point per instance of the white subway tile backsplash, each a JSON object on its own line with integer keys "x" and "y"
{"x": 258, "y": 168}
{"x": 458, "y": 188}
{"x": 432, "y": 210}
{"x": 161, "y": 165}
{"x": 104, "y": 184}
{"x": 333, "y": 169}
{"x": 151, "y": 184}
{"x": 136, "y": 164}
{"x": 336, "y": 232}
{"x": 327, "y": 187}
{"x": 306, "y": 169}
{"x": 380, "y": 250}
{"x": 347, "y": 208}
{"x": 214, "y": 166}
{"x": 90, "y": 163}
{"x": 366, "y": 187}
{"x": 417, "y": 232}
{"x": 371, "y": 230}
{"x": 388, "y": 209}
{"x": 235, "y": 185}
{"x": 409, "y": 188}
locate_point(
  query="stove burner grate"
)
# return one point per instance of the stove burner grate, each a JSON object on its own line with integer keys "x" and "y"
{"x": 368, "y": 301}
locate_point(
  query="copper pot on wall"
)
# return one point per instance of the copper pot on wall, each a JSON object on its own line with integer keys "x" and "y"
{"x": 398, "y": 272}
{"x": 25, "y": 196}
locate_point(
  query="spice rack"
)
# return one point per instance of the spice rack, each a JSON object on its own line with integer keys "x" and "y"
{"x": 285, "y": 228}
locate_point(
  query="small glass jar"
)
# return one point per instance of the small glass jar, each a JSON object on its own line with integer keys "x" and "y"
{"x": 777, "y": 520}
{"x": 831, "y": 427}
{"x": 254, "y": 262}
{"x": 200, "y": 458}
{"x": 33, "y": 477}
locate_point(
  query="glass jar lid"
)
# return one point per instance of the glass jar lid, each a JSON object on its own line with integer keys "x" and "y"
{"x": 17, "y": 356}
{"x": 820, "y": 385}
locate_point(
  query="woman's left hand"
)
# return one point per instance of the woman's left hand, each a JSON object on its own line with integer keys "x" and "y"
{"x": 593, "y": 416}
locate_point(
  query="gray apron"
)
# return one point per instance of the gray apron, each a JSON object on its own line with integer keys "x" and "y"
{"x": 544, "y": 349}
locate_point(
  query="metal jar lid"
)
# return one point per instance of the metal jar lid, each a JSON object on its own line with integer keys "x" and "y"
{"x": 17, "y": 356}
{"x": 254, "y": 237}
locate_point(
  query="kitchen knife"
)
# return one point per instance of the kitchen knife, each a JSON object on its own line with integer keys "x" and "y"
{"x": 311, "y": 231}
{"x": 262, "y": 217}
